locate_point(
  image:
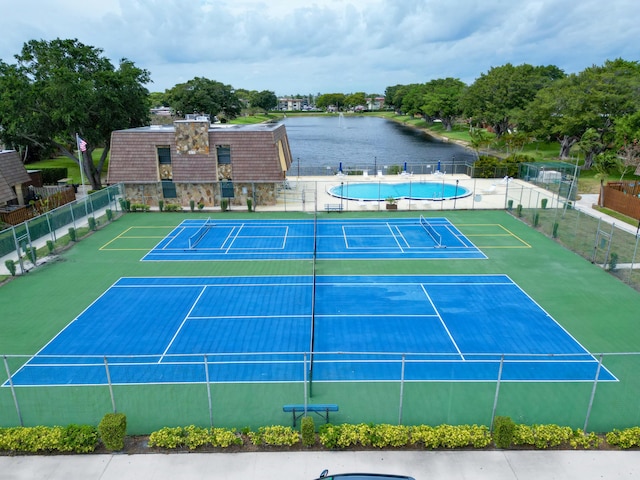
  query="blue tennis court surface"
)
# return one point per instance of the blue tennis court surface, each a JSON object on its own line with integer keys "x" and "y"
{"x": 404, "y": 238}
{"x": 259, "y": 329}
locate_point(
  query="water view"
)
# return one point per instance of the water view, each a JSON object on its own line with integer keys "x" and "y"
{"x": 322, "y": 145}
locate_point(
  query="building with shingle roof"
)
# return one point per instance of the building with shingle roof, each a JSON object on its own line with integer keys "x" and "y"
{"x": 197, "y": 160}
{"x": 12, "y": 177}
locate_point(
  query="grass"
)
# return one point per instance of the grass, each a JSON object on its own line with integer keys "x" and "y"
{"x": 73, "y": 169}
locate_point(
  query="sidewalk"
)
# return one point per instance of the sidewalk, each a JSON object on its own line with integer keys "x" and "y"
{"x": 586, "y": 203}
{"x": 422, "y": 465}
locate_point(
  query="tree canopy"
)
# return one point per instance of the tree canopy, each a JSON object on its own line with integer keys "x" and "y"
{"x": 204, "y": 96}
{"x": 266, "y": 100}
{"x": 583, "y": 108}
{"x": 499, "y": 95}
{"x": 62, "y": 88}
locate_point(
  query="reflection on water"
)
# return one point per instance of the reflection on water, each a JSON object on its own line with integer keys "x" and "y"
{"x": 366, "y": 142}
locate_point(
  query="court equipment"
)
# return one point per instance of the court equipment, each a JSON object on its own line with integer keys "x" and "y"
{"x": 195, "y": 239}
{"x": 437, "y": 238}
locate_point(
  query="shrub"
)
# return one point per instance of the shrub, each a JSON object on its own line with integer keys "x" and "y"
{"x": 224, "y": 204}
{"x": 224, "y": 437}
{"x": 11, "y": 266}
{"x": 509, "y": 204}
{"x": 503, "y": 430}
{"x": 32, "y": 254}
{"x": 580, "y": 440}
{"x": 613, "y": 261}
{"x": 72, "y": 234}
{"x": 543, "y": 203}
{"x": 167, "y": 437}
{"x": 92, "y": 223}
{"x": 50, "y": 176}
{"x": 192, "y": 205}
{"x": 112, "y": 429}
{"x": 554, "y": 234}
{"x": 109, "y": 214}
{"x": 249, "y": 204}
{"x": 389, "y": 436}
{"x": 627, "y": 438}
{"x": 50, "y": 246}
{"x": 519, "y": 210}
{"x": 161, "y": 205}
{"x": 200, "y": 206}
{"x": 275, "y": 435}
{"x": 79, "y": 439}
{"x": 536, "y": 219}
{"x": 173, "y": 207}
{"x": 73, "y": 438}
{"x": 308, "y": 431}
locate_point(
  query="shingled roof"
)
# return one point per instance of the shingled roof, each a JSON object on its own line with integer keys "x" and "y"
{"x": 12, "y": 172}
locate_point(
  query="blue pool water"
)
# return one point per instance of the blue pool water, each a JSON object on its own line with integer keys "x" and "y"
{"x": 413, "y": 191}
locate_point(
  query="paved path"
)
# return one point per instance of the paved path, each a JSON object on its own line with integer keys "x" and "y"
{"x": 426, "y": 465}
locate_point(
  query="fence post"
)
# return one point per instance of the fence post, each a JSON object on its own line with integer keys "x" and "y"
{"x": 113, "y": 400}
{"x": 401, "y": 390}
{"x": 13, "y": 390}
{"x": 206, "y": 374}
{"x": 497, "y": 395}
{"x": 593, "y": 393}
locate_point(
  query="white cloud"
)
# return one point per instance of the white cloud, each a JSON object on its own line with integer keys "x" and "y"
{"x": 292, "y": 46}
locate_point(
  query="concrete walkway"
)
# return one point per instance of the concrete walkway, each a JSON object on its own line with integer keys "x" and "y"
{"x": 423, "y": 465}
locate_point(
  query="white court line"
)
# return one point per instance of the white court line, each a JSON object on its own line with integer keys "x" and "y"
{"x": 442, "y": 322}
{"x": 184, "y": 320}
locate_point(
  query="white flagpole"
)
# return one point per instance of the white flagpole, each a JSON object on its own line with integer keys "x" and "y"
{"x": 81, "y": 158}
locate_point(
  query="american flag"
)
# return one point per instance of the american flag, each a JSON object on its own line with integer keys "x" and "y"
{"x": 82, "y": 145}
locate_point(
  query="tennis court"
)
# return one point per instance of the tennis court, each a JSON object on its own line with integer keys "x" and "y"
{"x": 399, "y": 238}
{"x": 356, "y": 328}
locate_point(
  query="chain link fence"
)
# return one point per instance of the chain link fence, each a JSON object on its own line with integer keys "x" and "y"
{"x": 20, "y": 243}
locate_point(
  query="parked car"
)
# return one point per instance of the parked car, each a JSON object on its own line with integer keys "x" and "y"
{"x": 361, "y": 476}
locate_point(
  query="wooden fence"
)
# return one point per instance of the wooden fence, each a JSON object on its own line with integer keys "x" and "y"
{"x": 622, "y": 197}
{"x": 54, "y": 199}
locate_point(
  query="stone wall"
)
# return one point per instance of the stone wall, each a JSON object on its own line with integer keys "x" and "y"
{"x": 192, "y": 137}
{"x": 205, "y": 193}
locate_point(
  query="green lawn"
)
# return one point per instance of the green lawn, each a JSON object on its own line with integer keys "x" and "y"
{"x": 72, "y": 167}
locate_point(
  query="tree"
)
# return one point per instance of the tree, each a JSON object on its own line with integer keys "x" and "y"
{"x": 266, "y": 100}
{"x": 356, "y": 99}
{"x": 442, "y": 100}
{"x": 326, "y": 100}
{"x": 61, "y": 88}
{"x": 496, "y": 98}
{"x": 203, "y": 96}
{"x": 587, "y": 103}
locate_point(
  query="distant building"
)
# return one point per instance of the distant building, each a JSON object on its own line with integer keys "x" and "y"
{"x": 376, "y": 103}
{"x": 292, "y": 104}
{"x": 196, "y": 160}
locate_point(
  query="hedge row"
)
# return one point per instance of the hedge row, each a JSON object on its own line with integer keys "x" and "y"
{"x": 72, "y": 438}
{"x": 85, "y": 439}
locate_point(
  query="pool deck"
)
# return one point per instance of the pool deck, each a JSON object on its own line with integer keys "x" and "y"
{"x": 486, "y": 193}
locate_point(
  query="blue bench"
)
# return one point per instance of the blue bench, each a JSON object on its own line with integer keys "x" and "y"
{"x": 333, "y": 207}
{"x": 321, "y": 409}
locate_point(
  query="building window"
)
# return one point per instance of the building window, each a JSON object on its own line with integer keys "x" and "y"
{"x": 169, "y": 189}
{"x": 164, "y": 155}
{"x": 224, "y": 154}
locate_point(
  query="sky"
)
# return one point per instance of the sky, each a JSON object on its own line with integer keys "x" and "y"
{"x": 305, "y": 47}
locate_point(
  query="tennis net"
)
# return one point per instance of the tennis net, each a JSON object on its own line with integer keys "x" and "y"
{"x": 195, "y": 239}
{"x": 437, "y": 238}
{"x": 313, "y": 296}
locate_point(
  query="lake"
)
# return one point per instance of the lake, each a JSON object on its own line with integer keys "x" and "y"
{"x": 321, "y": 144}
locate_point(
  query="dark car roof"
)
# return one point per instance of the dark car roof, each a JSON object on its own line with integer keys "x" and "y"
{"x": 365, "y": 476}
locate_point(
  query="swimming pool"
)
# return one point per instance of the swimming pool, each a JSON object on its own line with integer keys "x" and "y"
{"x": 412, "y": 190}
